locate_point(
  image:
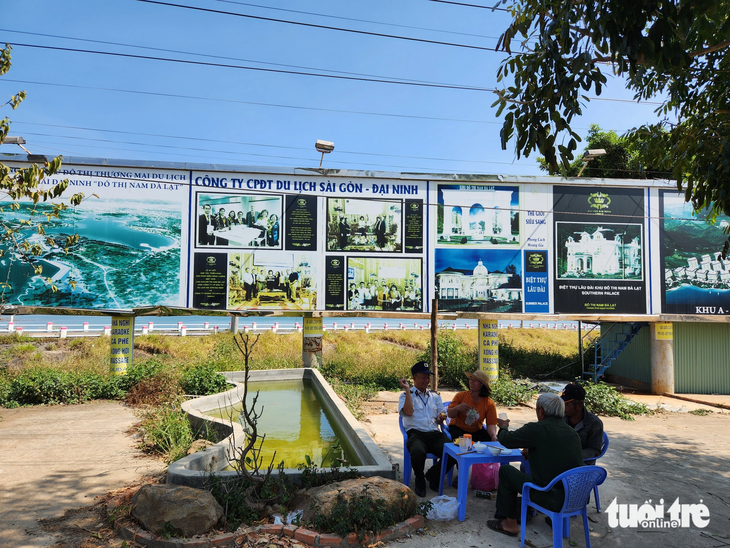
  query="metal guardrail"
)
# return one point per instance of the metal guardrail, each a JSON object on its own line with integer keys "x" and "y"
{"x": 52, "y": 330}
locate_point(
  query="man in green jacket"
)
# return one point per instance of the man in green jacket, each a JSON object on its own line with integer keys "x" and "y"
{"x": 550, "y": 446}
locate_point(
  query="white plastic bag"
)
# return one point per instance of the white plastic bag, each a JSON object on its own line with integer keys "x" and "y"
{"x": 294, "y": 517}
{"x": 444, "y": 508}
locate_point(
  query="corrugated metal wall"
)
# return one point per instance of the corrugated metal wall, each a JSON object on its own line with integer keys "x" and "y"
{"x": 635, "y": 360}
{"x": 701, "y": 358}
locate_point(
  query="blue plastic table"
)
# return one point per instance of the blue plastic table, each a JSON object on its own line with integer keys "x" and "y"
{"x": 464, "y": 462}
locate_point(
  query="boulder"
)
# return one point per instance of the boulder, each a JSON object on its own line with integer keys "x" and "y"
{"x": 189, "y": 511}
{"x": 394, "y": 493}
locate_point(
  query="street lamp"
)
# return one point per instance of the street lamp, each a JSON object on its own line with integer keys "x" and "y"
{"x": 325, "y": 147}
{"x": 14, "y": 140}
{"x": 591, "y": 154}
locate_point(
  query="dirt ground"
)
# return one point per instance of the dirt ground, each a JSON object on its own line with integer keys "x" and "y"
{"x": 59, "y": 463}
{"x": 65, "y": 458}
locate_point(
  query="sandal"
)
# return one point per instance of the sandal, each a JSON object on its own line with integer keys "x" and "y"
{"x": 496, "y": 525}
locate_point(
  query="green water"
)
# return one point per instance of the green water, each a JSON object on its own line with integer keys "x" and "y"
{"x": 295, "y": 424}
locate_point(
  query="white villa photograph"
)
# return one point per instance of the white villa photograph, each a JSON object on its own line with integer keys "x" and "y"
{"x": 606, "y": 251}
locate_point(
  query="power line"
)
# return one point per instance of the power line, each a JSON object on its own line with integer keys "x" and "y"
{"x": 355, "y": 19}
{"x": 334, "y": 163}
{"x": 95, "y": 139}
{"x": 259, "y": 69}
{"x": 324, "y": 27}
{"x": 207, "y": 55}
{"x": 492, "y": 8}
{"x": 254, "y": 103}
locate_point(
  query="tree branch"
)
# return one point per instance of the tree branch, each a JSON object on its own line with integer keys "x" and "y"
{"x": 710, "y": 49}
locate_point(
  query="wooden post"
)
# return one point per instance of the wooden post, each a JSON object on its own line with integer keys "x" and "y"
{"x": 580, "y": 350}
{"x": 434, "y": 342}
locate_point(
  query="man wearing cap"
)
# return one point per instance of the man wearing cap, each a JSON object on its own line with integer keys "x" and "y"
{"x": 421, "y": 411}
{"x": 586, "y": 424}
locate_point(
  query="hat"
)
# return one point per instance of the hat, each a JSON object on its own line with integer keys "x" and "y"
{"x": 573, "y": 392}
{"x": 479, "y": 375}
{"x": 421, "y": 367}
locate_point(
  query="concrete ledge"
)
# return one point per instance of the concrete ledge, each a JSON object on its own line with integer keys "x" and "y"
{"x": 193, "y": 469}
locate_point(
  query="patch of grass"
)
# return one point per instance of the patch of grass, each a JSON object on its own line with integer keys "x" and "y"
{"x": 355, "y": 358}
{"x": 166, "y": 432}
{"x": 701, "y": 412}
{"x": 417, "y": 340}
{"x": 540, "y": 352}
{"x": 15, "y": 338}
{"x": 354, "y": 395}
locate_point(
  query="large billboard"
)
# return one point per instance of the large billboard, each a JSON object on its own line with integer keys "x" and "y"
{"x": 695, "y": 277}
{"x": 297, "y": 241}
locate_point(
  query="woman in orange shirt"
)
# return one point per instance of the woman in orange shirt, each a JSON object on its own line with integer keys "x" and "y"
{"x": 468, "y": 410}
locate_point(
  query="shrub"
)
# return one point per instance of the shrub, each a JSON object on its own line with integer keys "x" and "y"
{"x": 201, "y": 380}
{"x": 603, "y": 399}
{"x": 455, "y": 358}
{"x": 509, "y": 392}
{"x": 360, "y": 514}
{"x": 43, "y": 385}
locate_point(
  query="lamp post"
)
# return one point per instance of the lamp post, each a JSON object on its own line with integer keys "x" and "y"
{"x": 591, "y": 154}
{"x": 15, "y": 140}
{"x": 325, "y": 147}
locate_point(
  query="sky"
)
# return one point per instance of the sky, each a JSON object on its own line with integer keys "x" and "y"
{"x": 174, "y": 89}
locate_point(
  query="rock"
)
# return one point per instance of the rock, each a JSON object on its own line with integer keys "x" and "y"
{"x": 199, "y": 445}
{"x": 189, "y": 511}
{"x": 394, "y": 493}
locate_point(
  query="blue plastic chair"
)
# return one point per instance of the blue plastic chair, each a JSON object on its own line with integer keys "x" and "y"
{"x": 604, "y": 448}
{"x": 578, "y": 484}
{"x": 407, "y": 468}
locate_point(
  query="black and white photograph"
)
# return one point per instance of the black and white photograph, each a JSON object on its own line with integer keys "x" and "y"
{"x": 239, "y": 220}
{"x": 384, "y": 284}
{"x": 364, "y": 225}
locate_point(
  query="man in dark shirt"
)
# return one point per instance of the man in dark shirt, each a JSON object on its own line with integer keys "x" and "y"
{"x": 551, "y": 447}
{"x": 586, "y": 424}
{"x": 206, "y": 225}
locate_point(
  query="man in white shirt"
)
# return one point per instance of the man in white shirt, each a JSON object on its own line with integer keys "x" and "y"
{"x": 422, "y": 412}
{"x": 248, "y": 282}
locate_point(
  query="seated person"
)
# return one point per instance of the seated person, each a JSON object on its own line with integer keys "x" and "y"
{"x": 469, "y": 409}
{"x": 422, "y": 412}
{"x": 587, "y": 425}
{"x": 551, "y": 447}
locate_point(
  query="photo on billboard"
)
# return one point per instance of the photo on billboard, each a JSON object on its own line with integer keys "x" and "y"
{"x": 271, "y": 280}
{"x": 478, "y": 215}
{"x": 478, "y": 280}
{"x": 238, "y": 220}
{"x": 384, "y": 284}
{"x": 364, "y": 225}
{"x": 695, "y": 276}
{"x": 127, "y": 255}
{"x": 600, "y": 246}
{"x": 605, "y": 251}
